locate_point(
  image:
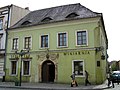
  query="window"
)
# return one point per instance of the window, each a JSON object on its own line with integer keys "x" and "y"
{"x": 98, "y": 63}
{"x": 26, "y": 23}
{"x": 15, "y": 44}
{"x": 1, "y": 41}
{"x": 13, "y": 67}
{"x": 81, "y": 38}
{"x": 72, "y": 15}
{"x": 26, "y": 67}
{"x": 46, "y": 19}
{"x": 44, "y": 41}
{"x": 27, "y": 43}
{"x": 62, "y": 39}
{"x": 78, "y": 67}
{"x": 1, "y": 24}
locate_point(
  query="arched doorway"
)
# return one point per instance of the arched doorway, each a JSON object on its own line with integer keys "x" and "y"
{"x": 48, "y": 71}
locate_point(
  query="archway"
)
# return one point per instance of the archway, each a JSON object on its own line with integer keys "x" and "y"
{"x": 48, "y": 71}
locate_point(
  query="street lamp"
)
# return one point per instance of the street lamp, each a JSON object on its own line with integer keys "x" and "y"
{"x": 21, "y": 53}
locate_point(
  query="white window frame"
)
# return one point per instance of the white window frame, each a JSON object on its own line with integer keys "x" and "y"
{"x": 11, "y": 68}
{"x": 24, "y": 42}
{"x": 12, "y": 44}
{"x": 83, "y": 68}
{"x": 29, "y": 67}
{"x": 66, "y": 40}
{"x": 40, "y": 41}
{"x": 86, "y": 37}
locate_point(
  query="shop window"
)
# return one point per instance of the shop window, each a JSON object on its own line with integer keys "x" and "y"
{"x": 44, "y": 41}
{"x": 15, "y": 44}
{"x": 62, "y": 39}
{"x": 81, "y": 38}
{"x": 27, "y": 42}
{"x": 26, "y": 67}
{"x": 13, "y": 67}
{"x": 78, "y": 67}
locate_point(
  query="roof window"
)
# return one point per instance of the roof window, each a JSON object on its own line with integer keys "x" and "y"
{"x": 72, "y": 15}
{"x": 26, "y": 22}
{"x": 46, "y": 19}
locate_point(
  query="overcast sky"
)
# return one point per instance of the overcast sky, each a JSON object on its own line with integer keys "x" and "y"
{"x": 109, "y": 8}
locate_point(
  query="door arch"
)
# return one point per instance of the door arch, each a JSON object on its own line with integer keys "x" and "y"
{"x": 48, "y": 71}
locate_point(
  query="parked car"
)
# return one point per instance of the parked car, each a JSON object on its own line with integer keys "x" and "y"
{"x": 116, "y": 76}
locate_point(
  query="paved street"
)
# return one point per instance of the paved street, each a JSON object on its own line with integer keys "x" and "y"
{"x": 53, "y": 86}
{"x": 117, "y": 87}
{"x": 13, "y": 89}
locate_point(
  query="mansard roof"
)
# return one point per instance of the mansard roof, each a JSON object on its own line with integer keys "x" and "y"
{"x": 55, "y": 14}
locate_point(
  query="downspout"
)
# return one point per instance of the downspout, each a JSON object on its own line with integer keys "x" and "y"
{"x": 6, "y": 40}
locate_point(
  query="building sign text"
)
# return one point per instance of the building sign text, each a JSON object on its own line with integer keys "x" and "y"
{"x": 77, "y": 53}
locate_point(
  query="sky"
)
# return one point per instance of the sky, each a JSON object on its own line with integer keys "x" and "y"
{"x": 109, "y": 8}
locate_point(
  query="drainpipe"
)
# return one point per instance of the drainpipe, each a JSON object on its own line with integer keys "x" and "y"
{"x": 6, "y": 39}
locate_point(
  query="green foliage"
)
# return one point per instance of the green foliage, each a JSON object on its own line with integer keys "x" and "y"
{"x": 114, "y": 67}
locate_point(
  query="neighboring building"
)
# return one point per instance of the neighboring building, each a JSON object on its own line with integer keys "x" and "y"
{"x": 9, "y": 15}
{"x": 115, "y": 65}
{"x": 60, "y": 40}
{"x": 118, "y": 65}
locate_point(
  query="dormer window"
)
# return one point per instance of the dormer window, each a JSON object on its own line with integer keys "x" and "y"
{"x": 46, "y": 19}
{"x": 72, "y": 15}
{"x": 26, "y": 23}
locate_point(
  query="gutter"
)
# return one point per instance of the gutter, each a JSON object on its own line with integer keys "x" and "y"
{"x": 6, "y": 41}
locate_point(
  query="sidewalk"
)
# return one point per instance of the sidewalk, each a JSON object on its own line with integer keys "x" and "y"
{"x": 51, "y": 86}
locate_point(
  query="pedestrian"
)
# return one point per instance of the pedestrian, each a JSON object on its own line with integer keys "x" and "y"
{"x": 73, "y": 83}
{"x": 112, "y": 80}
{"x": 108, "y": 78}
{"x": 86, "y": 78}
{"x": 117, "y": 81}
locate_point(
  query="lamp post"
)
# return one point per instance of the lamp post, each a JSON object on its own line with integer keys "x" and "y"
{"x": 21, "y": 53}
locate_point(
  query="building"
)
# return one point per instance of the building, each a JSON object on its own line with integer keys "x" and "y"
{"x": 9, "y": 15}
{"x": 115, "y": 65}
{"x": 48, "y": 45}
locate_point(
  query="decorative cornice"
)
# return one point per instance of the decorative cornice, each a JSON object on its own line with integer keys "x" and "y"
{"x": 43, "y": 52}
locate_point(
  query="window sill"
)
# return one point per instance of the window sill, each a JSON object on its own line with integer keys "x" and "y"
{"x": 44, "y": 48}
{"x": 27, "y": 49}
{"x": 26, "y": 75}
{"x": 13, "y": 75}
{"x": 62, "y": 46}
{"x": 81, "y": 45}
{"x": 79, "y": 76}
{"x": 14, "y": 50}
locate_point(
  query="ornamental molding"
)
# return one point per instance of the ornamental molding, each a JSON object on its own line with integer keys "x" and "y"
{"x": 47, "y": 56}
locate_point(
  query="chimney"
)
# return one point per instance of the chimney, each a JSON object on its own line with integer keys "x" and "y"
{"x": 26, "y": 8}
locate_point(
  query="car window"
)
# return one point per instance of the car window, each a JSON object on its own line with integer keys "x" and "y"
{"x": 116, "y": 74}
